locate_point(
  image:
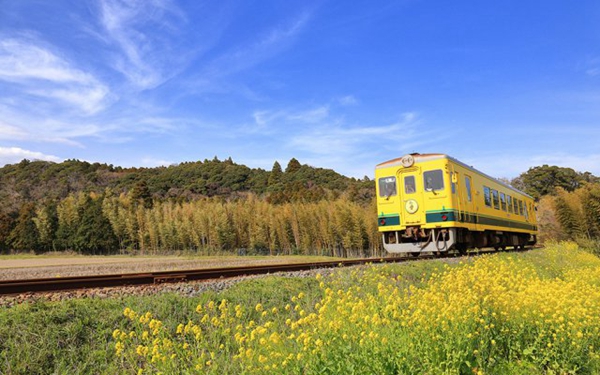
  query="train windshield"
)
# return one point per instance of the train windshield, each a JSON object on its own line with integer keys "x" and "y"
{"x": 433, "y": 180}
{"x": 387, "y": 187}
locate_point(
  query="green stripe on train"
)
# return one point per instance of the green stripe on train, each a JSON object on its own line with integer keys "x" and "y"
{"x": 469, "y": 217}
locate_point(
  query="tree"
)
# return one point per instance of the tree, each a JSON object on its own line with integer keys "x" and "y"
{"x": 568, "y": 214}
{"x": 7, "y": 223}
{"x": 275, "y": 175}
{"x": 46, "y": 222}
{"x": 539, "y": 181}
{"x": 94, "y": 233}
{"x": 25, "y": 236}
{"x": 141, "y": 193}
{"x": 293, "y": 166}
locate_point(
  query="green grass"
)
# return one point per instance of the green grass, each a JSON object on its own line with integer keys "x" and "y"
{"x": 75, "y": 336}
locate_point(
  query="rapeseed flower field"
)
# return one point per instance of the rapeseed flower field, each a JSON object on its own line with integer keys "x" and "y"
{"x": 494, "y": 314}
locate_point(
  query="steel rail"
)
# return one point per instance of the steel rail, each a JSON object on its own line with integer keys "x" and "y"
{"x": 55, "y": 284}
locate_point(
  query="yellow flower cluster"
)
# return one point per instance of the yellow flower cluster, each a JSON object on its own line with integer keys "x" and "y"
{"x": 540, "y": 309}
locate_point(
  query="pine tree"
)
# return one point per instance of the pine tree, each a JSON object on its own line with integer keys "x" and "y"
{"x": 94, "y": 233}
{"x": 275, "y": 175}
{"x": 293, "y": 166}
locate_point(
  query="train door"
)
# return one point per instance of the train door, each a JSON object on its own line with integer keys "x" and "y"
{"x": 411, "y": 196}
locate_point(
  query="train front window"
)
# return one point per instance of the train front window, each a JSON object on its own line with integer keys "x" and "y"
{"x": 387, "y": 187}
{"x": 410, "y": 184}
{"x": 433, "y": 180}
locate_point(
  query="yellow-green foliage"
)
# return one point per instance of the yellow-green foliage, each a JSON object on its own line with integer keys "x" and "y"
{"x": 538, "y": 313}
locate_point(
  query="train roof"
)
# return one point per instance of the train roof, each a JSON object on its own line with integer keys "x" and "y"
{"x": 419, "y": 158}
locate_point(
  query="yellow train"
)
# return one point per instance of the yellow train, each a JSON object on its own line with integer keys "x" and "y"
{"x": 435, "y": 203}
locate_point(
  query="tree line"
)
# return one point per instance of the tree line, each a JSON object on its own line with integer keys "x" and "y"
{"x": 217, "y": 206}
{"x": 93, "y": 223}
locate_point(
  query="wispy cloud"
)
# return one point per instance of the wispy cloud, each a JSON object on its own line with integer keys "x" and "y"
{"x": 10, "y": 155}
{"x": 348, "y": 100}
{"x": 322, "y": 136}
{"x": 337, "y": 137}
{"x": 31, "y": 68}
{"x": 145, "y": 58}
{"x": 153, "y": 162}
{"x": 248, "y": 55}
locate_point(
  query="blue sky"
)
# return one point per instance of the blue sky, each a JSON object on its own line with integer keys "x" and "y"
{"x": 502, "y": 86}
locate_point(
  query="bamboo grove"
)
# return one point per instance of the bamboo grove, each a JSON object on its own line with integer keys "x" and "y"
{"x": 108, "y": 223}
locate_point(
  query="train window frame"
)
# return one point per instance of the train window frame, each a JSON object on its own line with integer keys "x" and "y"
{"x": 385, "y": 191}
{"x": 521, "y": 208}
{"x": 516, "y": 206}
{"x": 406, "y": 186}
{"x": 432, "y": 185}
{"x": 468, "y": 187}
{"x": 495, "y": 199}
{"x": 509, "y": 203}
{"x": 503, "y": 201}
{"x": 487, "y": 196}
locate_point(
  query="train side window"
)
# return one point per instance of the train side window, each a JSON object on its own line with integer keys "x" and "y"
{"x": 452, "y": 184}
{"x": 495, "y": 199}
{"x": 387, "y": 187}
{"x": 468, "y": 187}
{"x": 487, "y": 197}
{"x": 503, "y": 201}
{"x": 526, "y": 211}
{"x": 409, "y": 185}
{"x": 433, "y": 180}
{"x": 521, "y": 208}
{"x": 509, "y": 203}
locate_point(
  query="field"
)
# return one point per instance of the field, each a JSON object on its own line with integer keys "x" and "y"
{"x": 522, "y": 313}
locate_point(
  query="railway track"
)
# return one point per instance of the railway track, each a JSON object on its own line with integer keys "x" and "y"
{"x": 10, "y": 287}
{"x": 13, "y": 287}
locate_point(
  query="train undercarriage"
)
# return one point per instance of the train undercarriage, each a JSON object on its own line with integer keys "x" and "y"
{"x": 416, "y": 240}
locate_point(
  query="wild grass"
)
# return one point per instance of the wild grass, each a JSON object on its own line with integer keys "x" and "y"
{"x": 527, "y": 313}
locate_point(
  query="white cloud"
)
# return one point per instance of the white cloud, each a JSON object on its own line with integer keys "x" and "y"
{"x": 266, "y": 46}
{"x": 153, "y": 162}
{"x": 348, "y": 100}
{"x": 33, "y": 69}
{"x": 144, "y": 58}
{"x": 11, "y": 155}
{"x": 336, "y": 138}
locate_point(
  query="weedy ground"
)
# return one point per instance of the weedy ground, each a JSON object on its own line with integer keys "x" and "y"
{"x": 522, "y": 313}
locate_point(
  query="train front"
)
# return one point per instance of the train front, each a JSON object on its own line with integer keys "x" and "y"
{"x": 414, "y": 204}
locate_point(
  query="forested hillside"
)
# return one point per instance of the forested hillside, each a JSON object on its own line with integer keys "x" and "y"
{"x": 98, "y": 208}
{"x": 215, "y": 206}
